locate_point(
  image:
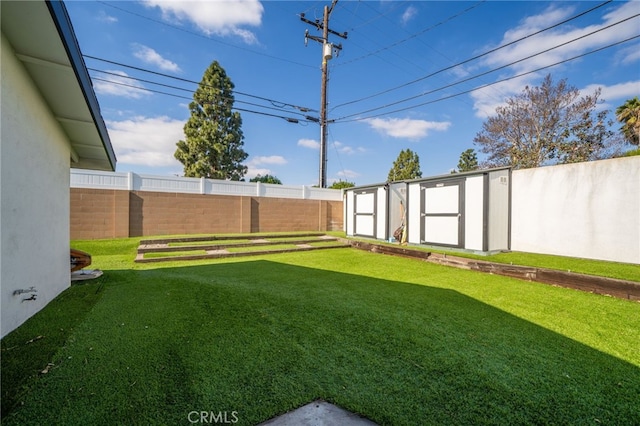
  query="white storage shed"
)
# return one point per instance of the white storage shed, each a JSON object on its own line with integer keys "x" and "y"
{"x": 469, "y": 211}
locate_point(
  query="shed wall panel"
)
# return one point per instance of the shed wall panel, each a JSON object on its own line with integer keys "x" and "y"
{"x": 413, "y": 216}
{"x": 498, "y": 220}
{"x": 381, "y": 214}
{"x": 474, "y": 217}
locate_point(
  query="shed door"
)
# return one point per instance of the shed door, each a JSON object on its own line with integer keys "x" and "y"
{"x": 442, "y": 213}
{"x": 364, "y": 212}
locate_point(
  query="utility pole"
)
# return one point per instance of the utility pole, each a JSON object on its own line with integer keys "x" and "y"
{"x": 327, "y": 53}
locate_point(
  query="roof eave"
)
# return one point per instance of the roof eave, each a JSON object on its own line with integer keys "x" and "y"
{"x": 63, "y": 24}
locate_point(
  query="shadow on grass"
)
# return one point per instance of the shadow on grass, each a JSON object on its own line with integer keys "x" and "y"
{"x": 27, "y": 351}
{"x": 261, "y": 338}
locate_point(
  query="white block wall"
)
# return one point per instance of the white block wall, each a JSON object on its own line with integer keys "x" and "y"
{"x": 588, "y": 210}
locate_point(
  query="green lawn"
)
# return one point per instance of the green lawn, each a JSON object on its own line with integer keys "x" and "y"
{"x": 397, "y": 340}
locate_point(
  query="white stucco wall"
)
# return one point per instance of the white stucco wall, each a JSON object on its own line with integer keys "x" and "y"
{"x": 589, "y": 210}
{"x": 34, "y": 183}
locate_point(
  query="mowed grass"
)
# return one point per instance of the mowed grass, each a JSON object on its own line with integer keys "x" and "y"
{"x": 396, "y": 340}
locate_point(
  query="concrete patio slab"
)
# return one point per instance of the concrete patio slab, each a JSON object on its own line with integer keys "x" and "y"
{"x": 319, "y": 413}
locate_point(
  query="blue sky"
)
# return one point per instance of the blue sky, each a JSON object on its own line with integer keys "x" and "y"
{"x": 394, "y": 84}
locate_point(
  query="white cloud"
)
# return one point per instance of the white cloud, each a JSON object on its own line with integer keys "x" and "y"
{"x": 119, "y": 85}
{"x": 150, "y": 56}
{"x": 343, "y": 149}
{"x": 629, "y": 54}
{"x": 254, "y": 165}
{"x": 347, "y": 174}
{"x": 309, "y": 143}
{"x": 224, "y": 18}
{"x": 102, "y": 16}
{"x": 405, "y": 127}
{"x": 490, "y": 98}
{"x": 486, "y": 100}
{"x": 146, "y": 141}
{"x": 621, "y": 91}
{"x": 255, "y": 171}
{"x": 409, "y": 14}
{"x": 272, "y": 159}
{"x": 614, "y": 95}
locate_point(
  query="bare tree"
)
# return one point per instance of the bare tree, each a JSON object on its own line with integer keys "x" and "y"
{"x": 545, "y": 125}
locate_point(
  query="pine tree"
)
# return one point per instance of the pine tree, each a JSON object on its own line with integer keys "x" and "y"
{"x": 213, "y": 142}
{"x": 406, "y": 166}
{"x": 468, "y": 161}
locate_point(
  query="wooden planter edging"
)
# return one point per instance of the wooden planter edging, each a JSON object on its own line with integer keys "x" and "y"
{"x": 164, "y": 248}
{"x": 228, "y": 237}
{"x": 600, "y": 285}
{"x": 216, "y": 251}
{"x": 140, "y": 257}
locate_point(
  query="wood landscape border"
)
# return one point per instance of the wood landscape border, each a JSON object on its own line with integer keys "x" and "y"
{"x": 622, "y": 289}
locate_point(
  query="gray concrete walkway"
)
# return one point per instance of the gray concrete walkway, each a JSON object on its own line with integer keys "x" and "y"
{"x": 319, "y": 413}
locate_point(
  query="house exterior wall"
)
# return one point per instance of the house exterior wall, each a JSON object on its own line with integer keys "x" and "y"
{"x": 34, "y": 229}
{"x": 107, "y": 213}
{"x": 589, "y": 210}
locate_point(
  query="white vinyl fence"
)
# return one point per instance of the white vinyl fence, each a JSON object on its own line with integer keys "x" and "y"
{"x": 135, "y": 182}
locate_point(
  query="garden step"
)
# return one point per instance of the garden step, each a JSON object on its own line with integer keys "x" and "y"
{"x": 230, "y": 237}
{"x": 166, "y": 248}
{"x": 219, "y": 247}
{"x": 218, "y": 254}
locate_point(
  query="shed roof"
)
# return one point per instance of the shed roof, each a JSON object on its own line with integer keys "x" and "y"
{"x": 456, "y": 175}
{"x": 42, "y": 36}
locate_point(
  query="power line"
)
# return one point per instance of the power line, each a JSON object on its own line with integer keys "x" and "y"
{"x": 289, "y": 119}
{"x": 343, "y": 119}
{"x": 472, "y": 58}
{"x": 304, "y": 109}
{"x": 494, "y": 69}
{"x": 413, "y": 35}
{"x": 377, "y": 30}
{"x": 176, "y": 88}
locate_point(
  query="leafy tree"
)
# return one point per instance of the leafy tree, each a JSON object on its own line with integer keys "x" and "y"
{"x": 266, "y": 179}
{"x": 213, "y": 142}
{"x": 629, "y": 114}
{"x": 406, "y": 166}
{"x": 468, "y": 161}
{"x": 544, "y": 125}
{"x": 341, "y": 184}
